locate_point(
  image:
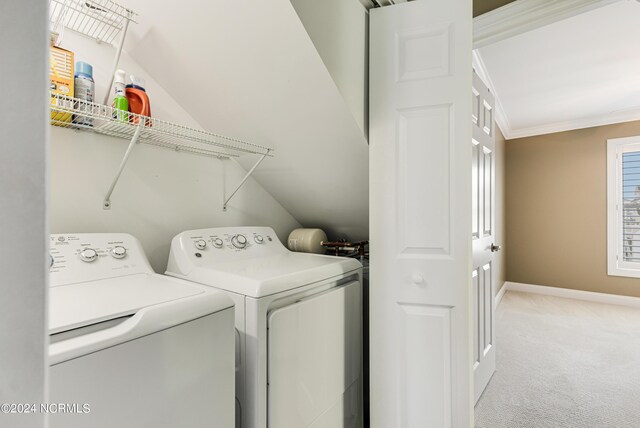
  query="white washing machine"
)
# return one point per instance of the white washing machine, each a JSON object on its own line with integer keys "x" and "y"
{"x": 130, "y": 348}
{"x": 298, "y": 320}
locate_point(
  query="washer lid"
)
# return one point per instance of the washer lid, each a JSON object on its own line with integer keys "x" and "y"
{"x": 263, "y": 276}
{"x": 78, "y": 305}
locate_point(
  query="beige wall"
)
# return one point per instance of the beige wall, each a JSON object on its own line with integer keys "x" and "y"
{"x": 484, "y": 6}
{"x": 556, "y": 210}
{"x": 500, "y": 261}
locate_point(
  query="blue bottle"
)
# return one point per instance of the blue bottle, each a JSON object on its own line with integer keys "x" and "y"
{"x": 84, "y": 90}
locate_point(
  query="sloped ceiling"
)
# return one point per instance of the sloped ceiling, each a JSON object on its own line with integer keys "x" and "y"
{"x": 579, "y": 72}
{"x": 248, "y": 69}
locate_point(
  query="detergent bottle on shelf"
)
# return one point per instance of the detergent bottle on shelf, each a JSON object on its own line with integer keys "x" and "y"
{"x": 138, "y": 100}
{"x": 120, "y": 103}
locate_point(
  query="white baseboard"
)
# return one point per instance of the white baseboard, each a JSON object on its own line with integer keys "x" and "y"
{"x": 500, "y": 295}
{"x": 611, "y": 299}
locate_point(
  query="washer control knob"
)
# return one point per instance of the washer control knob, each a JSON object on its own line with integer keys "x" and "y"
{"x": 50, "y": 261}
{"x": 259, "y": 239}
{"x": 201, "y": 244}
{"x": 88, "y": 255}
{"x": 218, "y": 243}
{"x": 119, "y": 252}
{"x": 239, "y": 241}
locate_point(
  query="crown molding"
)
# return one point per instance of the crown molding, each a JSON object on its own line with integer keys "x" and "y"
{"x": 525, "y": 15}
{"x": 570, "y": 125}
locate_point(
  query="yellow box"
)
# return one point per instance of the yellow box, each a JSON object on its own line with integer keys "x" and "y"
{"x": 61, "y": 76}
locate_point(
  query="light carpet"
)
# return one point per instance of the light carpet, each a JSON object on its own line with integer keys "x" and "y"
{"x": 563, "y": 363}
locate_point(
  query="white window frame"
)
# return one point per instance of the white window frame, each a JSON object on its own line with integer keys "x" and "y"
{"x": 616, "y": 266}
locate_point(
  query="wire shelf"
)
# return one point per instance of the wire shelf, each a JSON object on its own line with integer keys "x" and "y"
{"x": 101, "y": 20}
{"x": 79, "y": 114}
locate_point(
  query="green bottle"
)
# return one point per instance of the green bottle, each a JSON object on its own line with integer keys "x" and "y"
{"x": 120, "y": 102}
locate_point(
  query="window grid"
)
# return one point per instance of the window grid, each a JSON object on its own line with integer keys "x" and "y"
{"x": 631, "y": 206}
{"x": 623, "y": 206}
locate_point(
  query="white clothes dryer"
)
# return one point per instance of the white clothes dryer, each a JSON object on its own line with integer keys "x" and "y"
{"x": 131, "y": 348}
{"x": 298, "y": 321}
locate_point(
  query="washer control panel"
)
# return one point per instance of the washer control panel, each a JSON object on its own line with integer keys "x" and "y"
{"x": 82, "y": 257}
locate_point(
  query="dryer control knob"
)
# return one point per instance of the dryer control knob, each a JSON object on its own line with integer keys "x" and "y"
{"x": 50, "y": 261}
{"x": 239, "y": 241}
{"x": 88, "y": 255}
{"x": 201, "y": 244}
{"x": 259, "y": 239}
{"x": 218, "y": 243}
{"x": 118, "y": 252}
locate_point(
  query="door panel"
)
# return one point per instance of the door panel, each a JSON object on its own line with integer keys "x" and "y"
{"x": 487, "y": 188}
{"x": 483, "y": 206}
{"x": 487, "y": 327}
{"x": 476, "y": 299}
{"x": 420, "y": 213}
{"x": 426, "y": 366}
{"x": 423, "y": 196}
{"x": 475, "y": 191}
{"x": 487, "y": 118}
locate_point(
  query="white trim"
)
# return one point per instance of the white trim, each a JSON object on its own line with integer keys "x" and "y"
{"x": 615, "y": 261}
{"x": 500, "y": 295}
{"x": 588, "y": 122}
{"x": 609, "y": 299}
{"x": 525, "y": 15}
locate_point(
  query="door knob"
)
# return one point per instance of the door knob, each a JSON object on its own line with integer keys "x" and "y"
{"x": 417, "y": 278}
{"x": 495, "y": 248}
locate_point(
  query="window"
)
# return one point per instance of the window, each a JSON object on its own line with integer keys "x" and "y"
{"x": 623, "y": 206}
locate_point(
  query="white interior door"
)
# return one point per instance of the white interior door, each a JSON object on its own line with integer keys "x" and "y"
{"x": 482, "y": 234}
{"x": 420, "y": 215}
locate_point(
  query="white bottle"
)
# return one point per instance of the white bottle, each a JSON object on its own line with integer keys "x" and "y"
{"x": 119, "y": 97}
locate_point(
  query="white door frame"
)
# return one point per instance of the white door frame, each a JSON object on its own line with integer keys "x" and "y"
{"x": 23, "y": 218}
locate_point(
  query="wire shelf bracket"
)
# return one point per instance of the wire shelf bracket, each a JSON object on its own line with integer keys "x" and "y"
{"x": 106, "y": 204}
{"x": 246, "y": 177}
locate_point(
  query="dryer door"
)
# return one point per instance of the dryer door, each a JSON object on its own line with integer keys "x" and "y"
{"x": 315, "y": 361}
